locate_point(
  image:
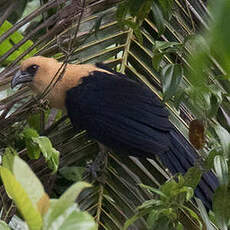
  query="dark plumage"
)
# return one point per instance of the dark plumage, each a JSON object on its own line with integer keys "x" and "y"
{"x": 127, "y": 117}
{"x": 120, "y": 113}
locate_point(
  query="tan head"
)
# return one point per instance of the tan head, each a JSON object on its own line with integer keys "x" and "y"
{"x": 39, "y": 71}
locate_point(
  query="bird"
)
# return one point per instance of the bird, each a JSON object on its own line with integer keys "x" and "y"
{"x": 122, "y": 114}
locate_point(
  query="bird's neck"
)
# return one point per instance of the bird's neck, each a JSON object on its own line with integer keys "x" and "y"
{"x": 72, "y": 77}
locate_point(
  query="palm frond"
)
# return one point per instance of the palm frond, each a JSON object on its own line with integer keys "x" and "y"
{"x": 99, "y": 39}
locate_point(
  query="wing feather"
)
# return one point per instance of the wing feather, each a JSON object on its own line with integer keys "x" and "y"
{"x": 119, "y": 113}
{"x": 127, "y": 117}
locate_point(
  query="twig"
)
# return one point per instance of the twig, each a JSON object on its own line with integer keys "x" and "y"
{"x": 28, "y": 37}
{"x": 28, "y": 18}
{"x": 60, "y": 73}
{"x": 7, "y": 13}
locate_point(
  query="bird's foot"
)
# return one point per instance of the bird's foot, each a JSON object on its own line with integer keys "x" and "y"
{"x": 97, "y": 167}
{"x": 43, "y": 104}
{"x": 40, "y": 105}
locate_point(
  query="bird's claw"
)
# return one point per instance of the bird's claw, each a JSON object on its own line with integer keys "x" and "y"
{"x": 41, "y": 105}
{"x": 44, "y": 104}
{"x": 97, "y": 167}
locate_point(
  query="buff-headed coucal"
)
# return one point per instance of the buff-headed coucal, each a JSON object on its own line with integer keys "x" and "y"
{"x": 120, "y": 113}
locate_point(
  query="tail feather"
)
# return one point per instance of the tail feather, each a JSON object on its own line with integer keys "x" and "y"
{"x": 206, "y": 188}
{"x": 180, "y": 158}
{"x": 211, "y": 180}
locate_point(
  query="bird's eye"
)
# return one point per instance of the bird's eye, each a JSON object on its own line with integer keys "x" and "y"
{"x": 32, "y": 69}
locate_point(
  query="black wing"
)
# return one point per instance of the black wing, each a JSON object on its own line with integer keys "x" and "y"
{"x": 129, "y": 118}
{"x": 120, "y": 113}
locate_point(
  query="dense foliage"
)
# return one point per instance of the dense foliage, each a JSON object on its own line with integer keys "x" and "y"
{"x": 177, "y": 48}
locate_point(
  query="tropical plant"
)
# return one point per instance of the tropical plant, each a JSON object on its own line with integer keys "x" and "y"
{"x": 150, "y": 41}
{"x": 37, "y": 209}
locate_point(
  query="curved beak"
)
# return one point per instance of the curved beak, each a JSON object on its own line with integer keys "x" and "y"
{"x": 21, "y": 77}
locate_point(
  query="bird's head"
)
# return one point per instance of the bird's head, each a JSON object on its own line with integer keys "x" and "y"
{"x": 39, "y": 71}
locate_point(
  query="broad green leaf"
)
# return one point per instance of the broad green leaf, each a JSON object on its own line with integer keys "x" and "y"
{"x": 179, "y": 97}
{"x": 34, "y": 121}
{"x": 79, "y": 220}
{"x": 32, "y": 147}
{"x": 158, "y": 18}
{"x": 217, "y": 91}
{"x": 29, "y": 133}
{"x": 219, "y": 34}
{"x": 58, "y": 222}
{"x": 192, "y": 177}
{"x": 171, "y": 78}
{"x": 221, "y": 169}
{"x": 221, "y": 206}
{"x": 156, "y": 60}
{"x": 4, "y": 226}
{"x": 8, "y": 158}
{"x": 214, "y": 106}
{"x": 9, "y": 42}
{"x": 170, "y": 188}
{"x": 22, "y": 200}
{"x": 138, "y": 63}
{"x": 215, "y": 100}
{"x": 224, "y": 138}
{"x": 28, "y": 180}
{"x": 209, "y": 161}
{"x": 50, "y": 154}
{"x": 199, "y": 62}
{"x": 63, "y": 203}
{"x": 72, "y": 173}
{"x": 188, "y": 191}
{"x": 72, "y": 193}
{"x": 200, "y": 97}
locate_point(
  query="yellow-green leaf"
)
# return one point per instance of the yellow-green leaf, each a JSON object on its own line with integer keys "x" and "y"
{"x": 63, "y": 203}
{"x": 50, "y": 153}
{"x": 4, "y": 226}
{"x": 9, "y": 42}
{"x": 20, "y": 197}
{"x": 28, "y": 180}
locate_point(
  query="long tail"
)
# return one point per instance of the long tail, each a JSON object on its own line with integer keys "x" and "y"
{"x": 180, "y": 158}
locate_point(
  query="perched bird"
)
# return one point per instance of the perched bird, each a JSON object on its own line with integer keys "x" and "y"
{"x": 122, "y": 114}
